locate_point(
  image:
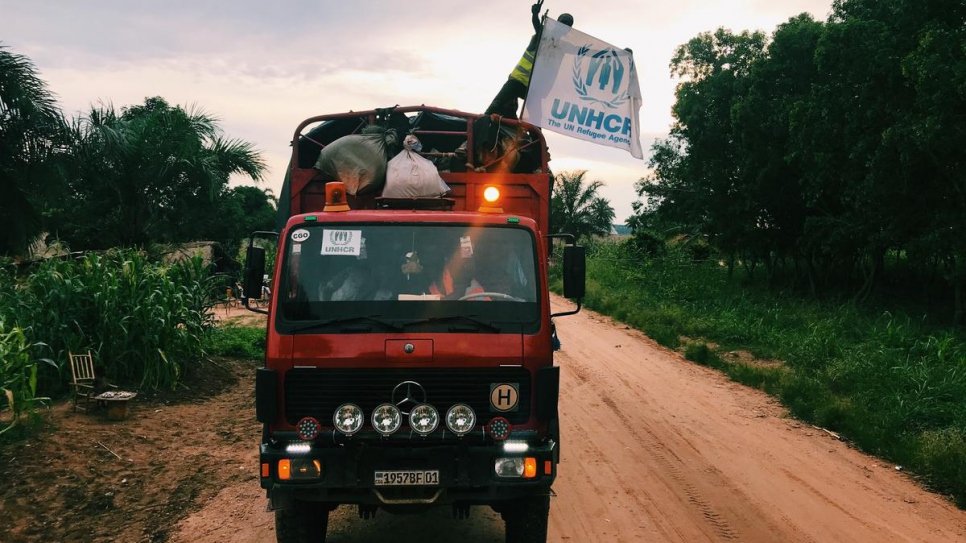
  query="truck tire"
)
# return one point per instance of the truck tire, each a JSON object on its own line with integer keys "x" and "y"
{"x": 526, "y": 520}
{"x": 302, "y": 522}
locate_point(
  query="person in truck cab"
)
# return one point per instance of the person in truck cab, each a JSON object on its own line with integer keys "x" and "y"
{"x": 492, "y": 268}
{"x": 463, "y": 268}
{"x": 494, "y": 273}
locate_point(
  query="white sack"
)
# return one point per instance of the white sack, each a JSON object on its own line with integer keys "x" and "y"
{"x": 409, "y": 175}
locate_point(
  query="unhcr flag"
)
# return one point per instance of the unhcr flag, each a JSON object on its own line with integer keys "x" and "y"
{"x": 584, "y": 88}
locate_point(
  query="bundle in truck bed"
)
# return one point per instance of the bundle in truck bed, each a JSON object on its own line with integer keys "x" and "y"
{"x": 506, "y": 152}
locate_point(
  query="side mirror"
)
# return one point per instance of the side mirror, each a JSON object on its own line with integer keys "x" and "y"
{"x": 254, "y": 272}
{"x": 574, "y": 272}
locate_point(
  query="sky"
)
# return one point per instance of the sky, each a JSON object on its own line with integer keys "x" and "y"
{"x": 262, "y": 67}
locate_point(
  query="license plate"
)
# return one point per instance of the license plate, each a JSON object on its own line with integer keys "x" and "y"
{"x": 407, "y": 478}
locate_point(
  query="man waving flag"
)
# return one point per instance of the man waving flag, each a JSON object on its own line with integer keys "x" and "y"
{"x": 584, "y": 88}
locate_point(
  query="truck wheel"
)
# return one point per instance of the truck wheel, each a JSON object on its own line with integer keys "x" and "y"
{"x": 302, "y": 522}
{"x": 526, "y": 520}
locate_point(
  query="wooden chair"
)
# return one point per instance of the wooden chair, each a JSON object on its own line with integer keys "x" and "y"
{"x": 230, "y": 300}
{"x": 84, "y": 381}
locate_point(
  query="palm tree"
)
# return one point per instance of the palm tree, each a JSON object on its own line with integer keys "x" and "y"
{"x": 577, "y": 209}
{"x": 31, "y": 129}
{"x": 154, "y": 172}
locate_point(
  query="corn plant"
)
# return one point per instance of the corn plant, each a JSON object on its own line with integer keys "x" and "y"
{"x": 18, "y": 375}
{"x": 145, "y": 322}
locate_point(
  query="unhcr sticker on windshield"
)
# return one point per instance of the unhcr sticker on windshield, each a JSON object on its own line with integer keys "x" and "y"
{"x": 342, "y": 242}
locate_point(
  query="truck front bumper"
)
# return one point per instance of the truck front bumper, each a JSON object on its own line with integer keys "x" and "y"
{"x": 346, "y": 474}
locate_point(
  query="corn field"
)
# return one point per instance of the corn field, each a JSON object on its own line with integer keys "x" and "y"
{"x": 145, "y": 323}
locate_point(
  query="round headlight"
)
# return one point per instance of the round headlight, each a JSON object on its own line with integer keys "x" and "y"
{"x": 423, "y": 419}
{"x": 460, "y": 419}
{"x": 386, "y": 419}
{"x": 348, "y": 418}
{"x": 308, "y": 429}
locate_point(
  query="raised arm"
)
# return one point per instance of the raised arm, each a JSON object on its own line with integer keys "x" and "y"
{"x": 535, "y": 10}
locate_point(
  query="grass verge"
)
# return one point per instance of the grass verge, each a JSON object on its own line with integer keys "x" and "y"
{"x": 890, "y": 383}
{"x": 236, "y": 341}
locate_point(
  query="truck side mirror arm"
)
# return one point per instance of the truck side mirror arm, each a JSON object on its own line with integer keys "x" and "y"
{"x": 574, "y": 273}
{"x": 254, "y": 271}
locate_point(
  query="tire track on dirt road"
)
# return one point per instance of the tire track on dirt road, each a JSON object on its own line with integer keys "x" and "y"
{"x": 655, "y": 448}
{"x": 712, "y": 460}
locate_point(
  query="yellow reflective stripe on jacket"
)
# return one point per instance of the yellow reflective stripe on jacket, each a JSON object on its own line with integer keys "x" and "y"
{"x": 523, "y": 68}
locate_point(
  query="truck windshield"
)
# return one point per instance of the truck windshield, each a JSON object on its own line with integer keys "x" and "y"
{"x": 362, "y": 277}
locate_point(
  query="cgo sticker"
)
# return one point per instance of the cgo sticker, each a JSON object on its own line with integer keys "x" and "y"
{"x": 300, "y": 235}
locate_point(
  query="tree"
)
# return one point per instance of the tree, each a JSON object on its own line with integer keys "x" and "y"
{"x": 154, "y": 173}
{"x": 242, "y": 210}
{"x": 699, "y": 181}
{"x": 776, "y": 87}
{"x": 933, "y": 134}
{"x": 577, "y": 209}
{"x": 832, "y": 146}
{"x": 31, "y": 131}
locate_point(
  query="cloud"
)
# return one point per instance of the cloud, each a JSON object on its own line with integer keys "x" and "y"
{"x": 261, "y": 67}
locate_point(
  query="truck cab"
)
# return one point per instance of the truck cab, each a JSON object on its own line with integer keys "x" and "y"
{"x": 409, "y": 352}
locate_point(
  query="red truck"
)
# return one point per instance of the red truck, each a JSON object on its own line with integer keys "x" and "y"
{"x": 409, "y": 352}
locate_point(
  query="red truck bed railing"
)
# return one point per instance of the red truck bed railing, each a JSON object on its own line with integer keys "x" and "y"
{"x": 525, "y": 184}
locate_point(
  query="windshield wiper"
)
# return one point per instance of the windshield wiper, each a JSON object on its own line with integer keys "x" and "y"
{"x": 348, "y": 320}
{"x": 479, "y": 324}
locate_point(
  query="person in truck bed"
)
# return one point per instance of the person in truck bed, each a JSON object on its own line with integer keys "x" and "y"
{"x": 505, "y": 103}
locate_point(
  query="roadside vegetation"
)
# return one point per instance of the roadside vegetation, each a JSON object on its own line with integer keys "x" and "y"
{"x": 236, "y": 341}
{"x": 576, "y": 208}
{"x": 145, "y": 323}
{"x": 889, "y": 381}
{"x": 830, "y": 156}
{"x": 93, "y": 205}
{"x": 803, "y": 226}
{"x": 118, "y": 177}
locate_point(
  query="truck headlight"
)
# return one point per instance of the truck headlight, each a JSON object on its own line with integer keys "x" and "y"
{"x": 460, "y": 419}
{"x": 386, "y": 419}
{"x": 423, "y": 419}
{"x": 508, "y": 467}
{"x": 348, "y": 418}
{"x": 516, "y": 467}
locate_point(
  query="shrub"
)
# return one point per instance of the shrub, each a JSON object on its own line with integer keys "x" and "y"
{"x": 701, "y": 353}
{"x": 645, "y": 244}
{"x": 237, "y": 341}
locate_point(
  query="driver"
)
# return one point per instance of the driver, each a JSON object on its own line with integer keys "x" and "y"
{"x": 490, "y": 271}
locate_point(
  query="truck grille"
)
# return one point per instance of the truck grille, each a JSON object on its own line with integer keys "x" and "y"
{"x": 317, "y": 392}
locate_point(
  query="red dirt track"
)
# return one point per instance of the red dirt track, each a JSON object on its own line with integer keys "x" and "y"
{"x": 655, "y": 448}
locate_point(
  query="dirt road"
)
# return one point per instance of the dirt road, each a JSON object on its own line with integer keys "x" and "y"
{"x": 658, "y": 449}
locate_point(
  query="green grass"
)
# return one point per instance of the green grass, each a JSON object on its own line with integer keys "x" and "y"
{"x": 237, "y": 341}
{"x": 892, "y": 384}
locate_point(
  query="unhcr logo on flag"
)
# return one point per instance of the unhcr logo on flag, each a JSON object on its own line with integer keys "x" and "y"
{"x": 600, "y": 78}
